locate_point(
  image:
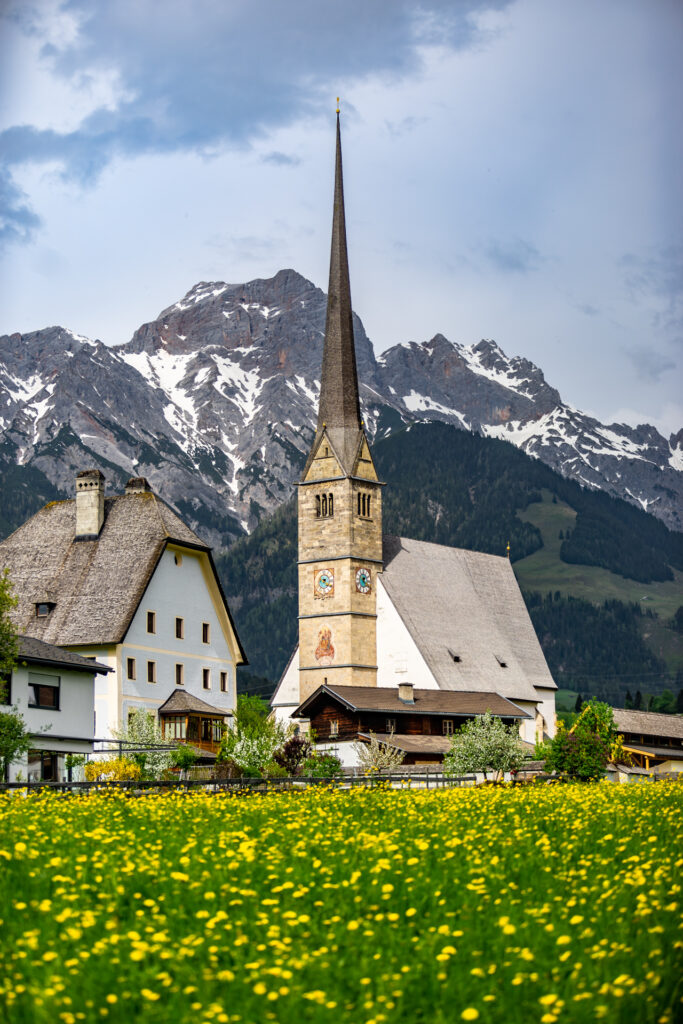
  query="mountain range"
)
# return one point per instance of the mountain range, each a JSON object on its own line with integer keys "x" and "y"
{"x": 215, "y": 403}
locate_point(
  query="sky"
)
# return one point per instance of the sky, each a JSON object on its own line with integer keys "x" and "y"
{"x": 512, "y": 170}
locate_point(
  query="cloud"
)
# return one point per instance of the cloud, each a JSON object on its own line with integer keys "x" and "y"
{"x": 18, "y": 223}
{"x": 649, "y": 363}
{"x": 515, "y": 256}
{"x": 587, "y": 309}
{"x": 657, "y": 280}
{"x": 210, "y": 74}
{"x": 403, "y": 127}
{"x": 280, "y": 159}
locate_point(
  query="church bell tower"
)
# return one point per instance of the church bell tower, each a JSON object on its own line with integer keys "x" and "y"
{"x": 340, "y": 504}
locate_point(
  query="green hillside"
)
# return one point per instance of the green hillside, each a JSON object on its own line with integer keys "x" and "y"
{"x": 603, "y": 631}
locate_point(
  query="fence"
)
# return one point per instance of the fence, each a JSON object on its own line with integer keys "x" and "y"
{"x": 421, "y": 780}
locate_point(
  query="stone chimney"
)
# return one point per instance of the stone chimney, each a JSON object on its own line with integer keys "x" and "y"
{"x": 405, "y": 693}
{"x": 137, "y": 485}
{"x": 89, "y": 504}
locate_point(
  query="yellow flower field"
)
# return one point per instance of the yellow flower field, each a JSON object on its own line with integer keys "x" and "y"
{"x": 524, "y": 904}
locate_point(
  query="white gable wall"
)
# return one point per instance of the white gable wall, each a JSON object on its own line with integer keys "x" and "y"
{"x": 398, "y": 657}
{"x": 183, "y": 589}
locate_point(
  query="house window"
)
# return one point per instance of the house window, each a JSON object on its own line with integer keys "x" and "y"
{"x": 224, "y": 682}
{"x": 217, "y": 730}
{"x": 447, "y": 726}
{"x": 180, "y": 675}
{"x": 43, "y": 610}
{"x": 206, "y": 678}
{"x": 391, "y": 725}
{"x": 206, "y": 633}
{"x": 178, "y": 558}
{"x": 43, "y": 691}
{"x": 43, "y": 766}
{"x": 151, "y": 622}
{"x": 174, "y": 727}
{"x": 130, "y": 668}
{"x": 179, "y": 629}
{"x": 334, "y": 727}
{"x": 151, "y": 671}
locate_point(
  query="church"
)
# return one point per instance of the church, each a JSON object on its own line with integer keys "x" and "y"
{"x": 398, "y": 637}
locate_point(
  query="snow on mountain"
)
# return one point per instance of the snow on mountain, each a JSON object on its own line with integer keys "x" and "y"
{"x": 215, "y": 402}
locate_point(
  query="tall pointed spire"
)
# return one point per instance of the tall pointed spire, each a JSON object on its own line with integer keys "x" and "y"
{"x": 339, "y": 408}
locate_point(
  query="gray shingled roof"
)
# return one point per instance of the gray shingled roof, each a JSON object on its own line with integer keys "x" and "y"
{"x": 467, "y": 604}
{"x": 96, "y": 585}
{"x": 649, "y": 723}
{"x": 426, "y": 702}
{"x": 412, "y": 744}
{"x": 181, "y": 700}
{"x": 37, "y": 652}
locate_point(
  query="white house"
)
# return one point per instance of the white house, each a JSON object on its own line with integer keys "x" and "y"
{"x": 124, "y": 580}
{"x": 53, "y": 689}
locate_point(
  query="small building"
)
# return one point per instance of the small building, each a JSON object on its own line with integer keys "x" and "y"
{"x": 53, "y": 689}
{"x": 124, "y": 580}
{"x": 185, "y": 718}
{"x": 417, "y": 722}
{"x": 654, "y": 741}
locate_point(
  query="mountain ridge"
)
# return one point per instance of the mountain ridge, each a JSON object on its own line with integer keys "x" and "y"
{"x": 215, "y": 402}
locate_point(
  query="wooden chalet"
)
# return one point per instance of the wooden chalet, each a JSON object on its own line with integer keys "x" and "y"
{"x": 654, "y": 741}
{"x": 185, "y": 718}
{"x": 418, "y": 722}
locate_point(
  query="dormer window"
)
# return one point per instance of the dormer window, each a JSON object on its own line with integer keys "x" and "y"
{"x": 503, "y": 664}
{"x": 324, "y": 506}
{"x": 43, "y": 609}
{"x": 456, "y": 657}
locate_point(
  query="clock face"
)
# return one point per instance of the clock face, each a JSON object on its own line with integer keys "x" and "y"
{"x": 324, "y": 582}
{"x": 363, "y": 581}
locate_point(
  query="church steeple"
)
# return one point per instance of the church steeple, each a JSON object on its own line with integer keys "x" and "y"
{"x": 340, "y": 504}
{"x": 339, "y": 406}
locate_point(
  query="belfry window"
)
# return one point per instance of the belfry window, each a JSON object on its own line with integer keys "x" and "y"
{"x": 364, "y": 504}
{"x": 324, "y": 506}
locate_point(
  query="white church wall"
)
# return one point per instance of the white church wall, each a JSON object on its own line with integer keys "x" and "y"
{"x": 398, "y": 657}
{"x": 286, "y": 697}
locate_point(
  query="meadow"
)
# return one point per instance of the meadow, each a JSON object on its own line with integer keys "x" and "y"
{"x": 511, "y": 904}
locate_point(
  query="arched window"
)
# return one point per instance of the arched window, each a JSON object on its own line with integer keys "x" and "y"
{"x": 317, "y": 506}
{"x": 330, "y": 505}
{"x": 324, "y": 504}
{"x": 368, "y": 511}
{"x": 359, "y": 503}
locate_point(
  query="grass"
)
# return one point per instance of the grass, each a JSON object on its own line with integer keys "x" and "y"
{"x": 513, "y": 904}
{"x": 544, "y": 570}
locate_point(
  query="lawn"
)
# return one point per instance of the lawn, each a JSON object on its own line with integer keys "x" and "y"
{"x": 511, "y": 904}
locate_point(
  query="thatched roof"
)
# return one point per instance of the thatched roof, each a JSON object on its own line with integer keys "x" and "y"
{"x": 384, "y": 699}
{"x": 36, "y": 652}
{"x": 465, "y": 605}
{"x": 95, "y": 585}
{"x": 181, "y": 701}
{"x": 649, "y": 723}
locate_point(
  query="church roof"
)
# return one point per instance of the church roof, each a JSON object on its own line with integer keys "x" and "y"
{"x": 465, "y": 612}
{"x": 339, "y": 405}
{"x": 95, "y": 586}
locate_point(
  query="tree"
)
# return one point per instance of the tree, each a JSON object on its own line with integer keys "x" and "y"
{"x": 292, "y": 755}
{"x": 584, "y": 751}
{"x": 253, "y": 740}
{"x": 153, "y": 753}
{"x": 579, "y": 702}
{"x": 15, "y": 740}
{"x": 638, "y": 701}
{"x": 628, "y": 701}
{"x": 323, "y": 765}
{"x": 9, "y": 641}
{"x": 376, "y": 756}
{"x": 485, "y": 744}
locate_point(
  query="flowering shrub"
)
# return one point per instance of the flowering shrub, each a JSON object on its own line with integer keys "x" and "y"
{"x": 116, "y": 769}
